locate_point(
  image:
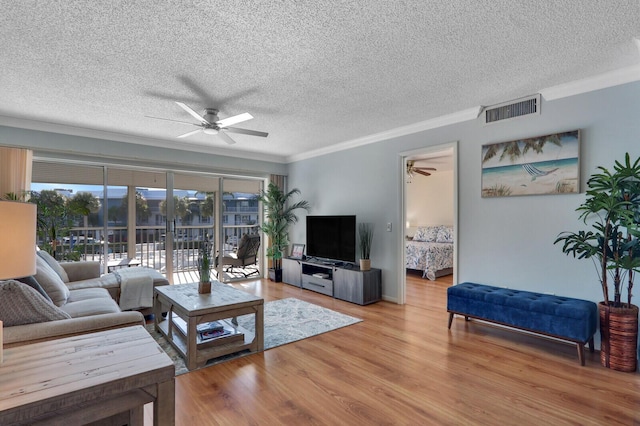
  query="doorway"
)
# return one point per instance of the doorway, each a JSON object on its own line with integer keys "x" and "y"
{"x": 428, "y": 200}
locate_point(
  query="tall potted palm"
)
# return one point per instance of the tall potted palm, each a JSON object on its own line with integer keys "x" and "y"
{"x": 279, "y": 214}
{"x": 612, "y": 209}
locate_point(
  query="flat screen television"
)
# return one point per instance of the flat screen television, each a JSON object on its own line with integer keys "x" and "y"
{"x": 332, "y": 237}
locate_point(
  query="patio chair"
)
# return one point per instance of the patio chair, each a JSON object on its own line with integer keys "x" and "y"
{"x": 247, "y": 254}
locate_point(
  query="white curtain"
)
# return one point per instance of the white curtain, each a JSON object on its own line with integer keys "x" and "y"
{"x": 15, "y": 171}
{"x": 279, "y": 181}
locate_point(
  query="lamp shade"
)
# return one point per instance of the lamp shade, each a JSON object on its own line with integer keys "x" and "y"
{"x": 17, "y": 239}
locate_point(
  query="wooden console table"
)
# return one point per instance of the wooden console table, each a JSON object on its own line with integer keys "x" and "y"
{"x": 92, "y": 377}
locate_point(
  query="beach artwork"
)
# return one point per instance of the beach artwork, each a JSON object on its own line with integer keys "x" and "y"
{"x": 541, "y": 165}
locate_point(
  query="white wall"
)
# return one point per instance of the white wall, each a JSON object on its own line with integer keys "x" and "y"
{"x": 501, "y": 241}
{"x": 430, "y": 200}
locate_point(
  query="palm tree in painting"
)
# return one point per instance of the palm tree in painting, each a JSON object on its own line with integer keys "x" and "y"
{"x": 516, "y": 149}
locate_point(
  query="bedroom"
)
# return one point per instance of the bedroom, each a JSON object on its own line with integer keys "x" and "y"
{"x": 429, "y": 213}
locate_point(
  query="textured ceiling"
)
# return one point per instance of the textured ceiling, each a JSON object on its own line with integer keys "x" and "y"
{"x": 313, "y": 74}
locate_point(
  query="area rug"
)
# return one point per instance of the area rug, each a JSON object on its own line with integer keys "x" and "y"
{"x": 285, "y": 321}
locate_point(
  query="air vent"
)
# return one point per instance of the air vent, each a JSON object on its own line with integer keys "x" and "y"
{"x": 512, "y": 109}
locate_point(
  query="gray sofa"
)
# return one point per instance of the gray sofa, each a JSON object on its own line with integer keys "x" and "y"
{"x": 66, "y": 299}
{"x": 83, "y": 275}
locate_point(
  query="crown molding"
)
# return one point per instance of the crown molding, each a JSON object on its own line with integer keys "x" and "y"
{"x": 44, "y": 126}
{"x": 602, "y": 81}
{"x": 444, "y": 120}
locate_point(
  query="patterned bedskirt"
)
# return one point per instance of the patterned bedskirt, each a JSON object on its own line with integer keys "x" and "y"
{"x": 429, "y": 257}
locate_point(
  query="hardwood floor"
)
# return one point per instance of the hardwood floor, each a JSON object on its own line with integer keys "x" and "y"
{"x": 402, "y": 366}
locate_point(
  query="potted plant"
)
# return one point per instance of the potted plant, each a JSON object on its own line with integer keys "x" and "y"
{"x": 612, "y": 208}
{"x": 204, "y": 266}
{"x": 365, "y": 237}
{"x": 278, "y": 216}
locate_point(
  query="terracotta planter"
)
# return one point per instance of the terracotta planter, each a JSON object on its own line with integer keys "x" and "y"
{"x": 365, "y": 264}
{"x": 619, "y": 337}
{"x": 204, "y": 287}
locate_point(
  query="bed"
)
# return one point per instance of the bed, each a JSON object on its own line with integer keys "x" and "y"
{"x": 431, "y": 251}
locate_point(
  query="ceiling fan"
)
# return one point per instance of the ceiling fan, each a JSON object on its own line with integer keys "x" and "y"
{"x": 424, "y": 171}
{"x": 210, "y": 124}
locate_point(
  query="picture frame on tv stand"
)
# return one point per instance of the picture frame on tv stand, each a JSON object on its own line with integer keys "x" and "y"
{"x": 297, "y": 251}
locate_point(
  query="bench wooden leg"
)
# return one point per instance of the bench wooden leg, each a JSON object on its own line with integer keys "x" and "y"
{"x": 591, "y": 345}
{"x": 450, "y": 320}
{"x": 580, "y": 347}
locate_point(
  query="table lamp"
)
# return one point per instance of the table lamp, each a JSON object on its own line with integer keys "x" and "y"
{"x": 17, "y": 242}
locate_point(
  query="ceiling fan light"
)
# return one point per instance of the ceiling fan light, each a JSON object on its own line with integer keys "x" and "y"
{"x": 210, "y": 131}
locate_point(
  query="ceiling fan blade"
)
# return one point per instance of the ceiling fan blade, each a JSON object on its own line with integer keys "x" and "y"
{"x": 226, "y": 138}
{"x": 420, "y": 172}
{"x": 175, "y": 121}
{"x": 193, "y": 113}
{"x": 230, "y": 121}
{"x": 425, "y": 168}
{"x": 190, "y": 133}
{"x": 246, "y": 131}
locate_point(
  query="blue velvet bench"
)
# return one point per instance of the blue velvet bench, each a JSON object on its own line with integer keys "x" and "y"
{"x": 562, "y": 318}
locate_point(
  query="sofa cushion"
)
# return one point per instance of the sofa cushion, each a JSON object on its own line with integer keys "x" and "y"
{"x": 51, "y": 282}
{"x": 34, "y": 284}
{"x": 30, "y": 333}
{"x": 81, "y": 269}
{"x": 55, "y": 265}
{"x": 21, "y": 304}
{"x": 90, "y": 307}
{"x": 88, "y": 293}
{"x": 108, "y": 281}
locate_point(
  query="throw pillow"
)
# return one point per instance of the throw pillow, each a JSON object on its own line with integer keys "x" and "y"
{"x": 420, "y": 234}
{"x": 445, "y": 235}
{"x": 34, "y": 284}
{"x": 51, "y": 282}
{"x": 426, "y": 233}
{"x": 21, "y": 304}
{"x": 55, "y": 265}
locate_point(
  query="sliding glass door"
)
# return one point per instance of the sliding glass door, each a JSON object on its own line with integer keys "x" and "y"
{"x": 158, "y": 218}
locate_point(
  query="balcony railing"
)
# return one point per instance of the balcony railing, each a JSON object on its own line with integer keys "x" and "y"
{"x": 241, "y": 209}
{"x": 150, "y": 246}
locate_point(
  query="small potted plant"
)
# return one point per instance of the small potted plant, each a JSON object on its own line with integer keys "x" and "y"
{"x": 204, "y": 266}
{"x": 612, "y": 208}
{"x": 365, "y": 237}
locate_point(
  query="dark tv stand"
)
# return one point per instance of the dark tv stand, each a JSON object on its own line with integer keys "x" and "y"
{"x": 345, "y": 282}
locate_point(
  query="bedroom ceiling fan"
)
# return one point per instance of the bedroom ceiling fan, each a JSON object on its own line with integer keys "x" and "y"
{"x": 210, "y": 124}
{"x": 411, "y": 169}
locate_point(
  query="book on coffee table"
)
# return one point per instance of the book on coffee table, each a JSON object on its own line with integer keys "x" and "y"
{"x": 213, "y": 326}
{"x": 215, "y": 336}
